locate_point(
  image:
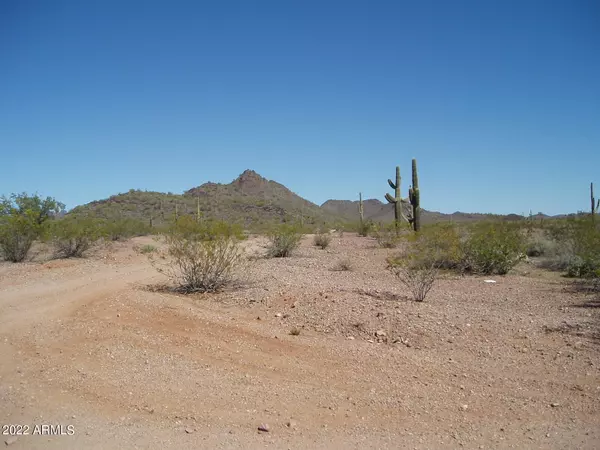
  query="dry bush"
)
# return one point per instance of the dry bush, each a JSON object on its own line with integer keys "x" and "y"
{"x": 200, "y": 257}
{"x": 322, "y": 240}
{"x": 419, "y": 278}
{"x": 387, "y": 236}
{"x": 283, "y": 240}
{"x": 343, "y": 265}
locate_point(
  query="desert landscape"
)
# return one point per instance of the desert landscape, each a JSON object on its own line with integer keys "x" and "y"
{"x": 303, "y": 353}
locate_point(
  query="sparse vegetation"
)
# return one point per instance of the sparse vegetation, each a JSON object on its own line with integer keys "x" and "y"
{"x": 200, "y": 257}
{"x": 73, "y": 236}
{"x": 343, "y": 265}
{"x": 387, "y": 236}
{"x": 148, "y": 248}
{"x": 322, "y": 240}
{"x": 283, "y": 240}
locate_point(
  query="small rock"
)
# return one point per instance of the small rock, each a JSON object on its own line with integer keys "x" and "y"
{"x": 291, "y": 424}
{"x": 11, "y": 440}
{"x": 278, "y": 315}
{"x": 464, "y": 407}
{"x": 264, "y": 427}
{"x": 555, "y": 405}
{"x": 350, "y": 338}
{"x": 189, "y": 430}
{"x": 380, "y": 333}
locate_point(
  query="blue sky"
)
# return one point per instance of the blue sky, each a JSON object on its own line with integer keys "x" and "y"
{"x": 498, "y": 100}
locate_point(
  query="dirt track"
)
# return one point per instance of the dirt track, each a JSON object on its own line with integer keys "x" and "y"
{"x": 84, "y": 342}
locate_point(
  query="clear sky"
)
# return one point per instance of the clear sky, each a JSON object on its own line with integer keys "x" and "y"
{"x": 498, "y": 100}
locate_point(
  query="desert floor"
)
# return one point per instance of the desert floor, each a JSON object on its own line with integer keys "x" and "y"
{"x": 91, "y": 343}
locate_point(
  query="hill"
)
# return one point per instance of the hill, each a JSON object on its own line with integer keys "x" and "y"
{"x": 378, "y": 211}
{"x": 250, "y": 199}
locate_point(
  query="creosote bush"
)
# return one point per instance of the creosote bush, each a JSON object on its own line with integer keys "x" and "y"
{"x": 73, "y": 236}
{"x": 200, "y": 257}
{"x": 117, "y": 229}
{"x": 386, "y": 236}
{"x": 322, "y": 240}
{"x": 493, "y": 248}
{"x": 483, "y": 248}
{"x": 344, "y": 265}
{"x": 283, "y": 240}
{"x": 418, "y": 276}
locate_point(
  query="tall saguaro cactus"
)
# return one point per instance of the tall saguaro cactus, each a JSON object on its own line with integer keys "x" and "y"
{"x": 414, "y": 196}
{"x": 360, "y": 210}
{"x": 595, "y": 205}
{"x": 396, "y": 200}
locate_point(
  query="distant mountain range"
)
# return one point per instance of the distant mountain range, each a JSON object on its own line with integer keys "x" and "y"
{"x": 251, "y": 199}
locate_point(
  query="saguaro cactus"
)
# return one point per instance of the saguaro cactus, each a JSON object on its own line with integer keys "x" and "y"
{"x": 396, "y": 200}
{"x": 414, "y": 197}
{"x": 595, "y": 205}
{"x": 360, "y": 210}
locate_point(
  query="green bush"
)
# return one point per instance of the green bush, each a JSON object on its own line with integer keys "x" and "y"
{"x": 365, "y": 228}
{"x": 322, "y": 240}
{"x": 492, "y": 248}
{"x": 386, "y": 236}
{"x": 23, "y": 219}
{"x": 283, "y": 240}
{"x": 440, "y": 245}
{"x": 200, "y": 257}
{"x": 124, "y": 228}
{"x": 576, "y": 251}
{"x": 73, "y": 236}
{"x": 148, "y": 248}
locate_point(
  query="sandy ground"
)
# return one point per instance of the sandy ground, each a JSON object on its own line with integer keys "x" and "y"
{"x": 86, "y": 343}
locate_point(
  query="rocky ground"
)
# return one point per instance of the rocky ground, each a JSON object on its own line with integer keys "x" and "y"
{"x": 319, "y": 357}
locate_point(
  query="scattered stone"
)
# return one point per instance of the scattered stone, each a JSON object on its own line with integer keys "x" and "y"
{"x": 350, "y": 338}
{"x": 264, "y": 427}
{"x": 464, "y": 407}
{"x": 380, "y": 333}
{"x": 189, "y": 430}
{"x": 555, "y": 405}
{"x": 291, "y": 424}
{"x": 11, "y": 440}
{"x": 278, "y": 315}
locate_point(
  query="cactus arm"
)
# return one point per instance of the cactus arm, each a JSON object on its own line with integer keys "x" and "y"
{"x": 390, "y": 199}
{"x": 391, "y": 183}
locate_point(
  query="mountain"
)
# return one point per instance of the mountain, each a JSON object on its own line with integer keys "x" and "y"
{"x": 378, "y": 211}
{"x": 249, "y": 199}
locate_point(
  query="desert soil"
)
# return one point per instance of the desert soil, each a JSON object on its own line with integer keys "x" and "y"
{"x": 91, "y": 343}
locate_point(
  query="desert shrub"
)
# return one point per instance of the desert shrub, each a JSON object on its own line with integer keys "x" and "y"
{"x": 73, "y": 236}
{"x": 539, "y": 244}
{"x": 492, "y": 248}
{"x": 118, "y": 229}
{"x": 585, "y": 238}
{"x": 343, "y": 265}
{"x": 23, "y": 219}
{"x": 201, "y": 258}
{"x": 440, "y": 245}
{"x": 148, "y": 248}
{"x": 576, "y": 249}
{"x": 386, "y": 236}
{"x": 418, "y": 276}
{"x": 283, "y": 240}
{"x": 322, "y": 240}
{"x": 365, "y": 227}
{"x": 17, "y": 234}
